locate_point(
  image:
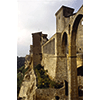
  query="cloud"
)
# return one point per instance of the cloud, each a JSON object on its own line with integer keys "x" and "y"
{"x": 39, "y": 15}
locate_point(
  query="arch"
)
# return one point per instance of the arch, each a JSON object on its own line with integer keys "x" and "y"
{"x": 74, "y": 29}
{"x": 64, "y": 43}
{"x": 73, "y": 36}
{"x": 73, "y": 86}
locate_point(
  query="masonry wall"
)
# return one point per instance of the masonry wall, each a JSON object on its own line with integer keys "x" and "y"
{"x": 49, "y": 63}
{"x": 79, "y": 44}
{"x": 80, "y": 80}
{"x": 49, "y": 48}
{"x": 48, "y": 57}
{"x": 53, "y": 60}
{"x": 49, "y": 94}
{"x": 60, "y": 21}
{"x": 79, "y": 37}
{"x": 61, "y": 69}
{"x": 62, "y": 18}
{"x": 36, "y": 48}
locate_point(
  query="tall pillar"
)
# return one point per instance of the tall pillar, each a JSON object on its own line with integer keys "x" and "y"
{"x": 72, "y": 74}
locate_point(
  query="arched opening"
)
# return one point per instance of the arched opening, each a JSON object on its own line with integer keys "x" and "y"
{"x": 64, "y": 43}
{"x": 73, "y": 89}
{"x": 74, "y": 33}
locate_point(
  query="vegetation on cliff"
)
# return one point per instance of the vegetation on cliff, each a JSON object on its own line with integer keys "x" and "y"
{"x": 43, "y": 80}
{"x": 20, "y": 62}
{"x": 20, "y": 75}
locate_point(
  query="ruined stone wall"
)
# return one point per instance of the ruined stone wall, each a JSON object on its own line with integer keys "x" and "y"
{"x": 55, "y": 62}
{"x": 79, "y": 60}
{"x": 36, "y": 48}
{"x": 67, "y": 21}
{"x": 79, "y": 38}
{"x": 49, "y": 48}
{"x": 61, "y": 67}
{"x": 60, "y": 22}
{"x": 62, "y": 18}
{"x": 48, "y": 57}
{"x": 49, "y": 94}
{"x": 49, "y": 63}
{"x": 49, "y": 54}
{"x": 79, "y": 44}
{"x": 80, "y": 80}
{"x": 44, "y": 39}
{"x": 28, "y": 86}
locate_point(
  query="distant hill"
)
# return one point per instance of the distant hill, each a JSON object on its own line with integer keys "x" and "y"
{"x": 20, "y": 62}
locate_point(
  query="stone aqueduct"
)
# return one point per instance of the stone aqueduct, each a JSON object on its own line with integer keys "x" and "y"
{"x": 62, "y": 54}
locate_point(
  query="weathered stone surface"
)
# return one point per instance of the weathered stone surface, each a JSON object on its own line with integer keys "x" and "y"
{"x": 61, "y": 55}
{"x": 28, "y": 86}
{"x": 49, "y": 94}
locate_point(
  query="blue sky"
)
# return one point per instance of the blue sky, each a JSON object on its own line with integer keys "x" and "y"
{"x": 38, "y": 15}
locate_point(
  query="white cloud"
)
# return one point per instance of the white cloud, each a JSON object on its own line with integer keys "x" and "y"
{"x": 38, "y": 15}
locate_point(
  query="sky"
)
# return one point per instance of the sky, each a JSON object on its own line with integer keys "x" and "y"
{"x": 27, "y": 16}
{"x": 38, "y": 15}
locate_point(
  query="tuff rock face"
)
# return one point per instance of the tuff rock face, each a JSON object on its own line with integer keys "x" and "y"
{"x": 28, "y": 87}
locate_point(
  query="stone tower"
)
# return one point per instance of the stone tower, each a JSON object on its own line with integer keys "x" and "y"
{"x": 61, "y": 14}
{"x": 36, "y": 48}
{"x": 38, "y": 40}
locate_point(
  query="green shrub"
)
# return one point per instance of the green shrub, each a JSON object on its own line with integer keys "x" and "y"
{"x": 43, "y": 80}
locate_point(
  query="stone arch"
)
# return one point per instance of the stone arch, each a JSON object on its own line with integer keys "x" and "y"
{"x": 79, "y": 38}
{"x": 73, "y": 39}
{"x": 72, "y": 74}
{"x": 65, "y": 43}
{"x": 74, "y": 33}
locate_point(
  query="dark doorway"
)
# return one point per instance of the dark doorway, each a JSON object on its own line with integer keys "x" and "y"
{"x": 66, "y": 88}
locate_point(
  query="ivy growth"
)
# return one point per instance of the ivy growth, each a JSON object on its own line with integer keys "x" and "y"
{"x": 43, "y": 80}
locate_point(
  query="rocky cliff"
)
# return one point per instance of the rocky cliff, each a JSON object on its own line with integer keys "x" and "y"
{"x": 28, "y": 87}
